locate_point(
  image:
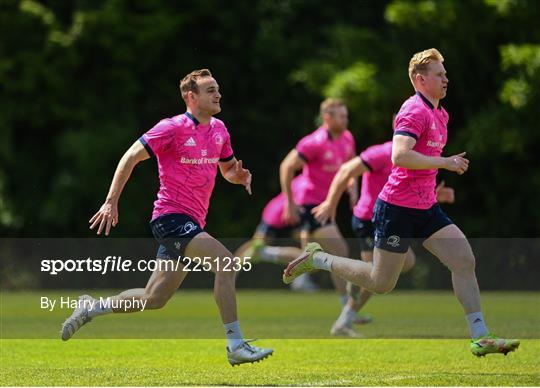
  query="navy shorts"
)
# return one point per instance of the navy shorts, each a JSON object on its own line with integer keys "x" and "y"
{"x": 307, "y": 220}
{"x": 273, "y": 235}
{"x": 364, "y": 231}
{"x": 307, "y": 223}
{"x": 174, "y": 232}
{"x": 395, "y": 226}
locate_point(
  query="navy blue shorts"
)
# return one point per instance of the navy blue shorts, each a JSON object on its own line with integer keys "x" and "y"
{"x": 174, "y": 232}
{"x": 307, "y": 223}
{"x": 307, "y": 220}
{"x": 395, "y": 226}
{"x": 364, "y": 231}
{"x": 273, "y": 235}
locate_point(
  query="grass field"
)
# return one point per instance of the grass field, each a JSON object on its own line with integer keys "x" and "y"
{"x": 417, "y": 338}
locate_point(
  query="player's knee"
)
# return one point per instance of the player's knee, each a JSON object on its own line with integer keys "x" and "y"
{"x": 383, "y": 287}
{"x": 464, "y": 261}
{"x": 156, "y": 301}
{"x": 226, "y": 276}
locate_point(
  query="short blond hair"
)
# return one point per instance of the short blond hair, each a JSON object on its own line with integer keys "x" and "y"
{"x": 189, "y": 82}
{"x": 329, "y": 104}
{"x": 420, "y": 61}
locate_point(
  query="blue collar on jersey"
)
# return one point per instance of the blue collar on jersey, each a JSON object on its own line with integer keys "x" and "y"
{"x": 428, "y": 103}
{"x": 193, "y": 118}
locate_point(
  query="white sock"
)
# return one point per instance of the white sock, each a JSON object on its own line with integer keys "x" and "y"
{"x": 234, "y": 335}
{"x": 100, "y": 308}
{"x": 344, "y": 299}
{"x": 270, "y": 254}
{"x": 477, "y": 325}
{"x": 347, "y": 316}
{"x": 323, "y": 260}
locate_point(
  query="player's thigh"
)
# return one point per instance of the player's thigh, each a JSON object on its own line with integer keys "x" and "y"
{"x": 410, "y": 260}
{"x": 450, "y": 245}
{"x": 165, "y": 279}
{"x": 331, "y": 240}
{"x": 204, "y": 246}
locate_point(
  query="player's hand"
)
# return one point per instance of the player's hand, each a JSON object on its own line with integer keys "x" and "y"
{"x": 457, "y": 163}
{"x": 241, "y": 176}
{"x": 291, "y": 214}
{"x": 324, "y": 213}
{"x": 444, "y": 194}
{"x": 106, "y": 217}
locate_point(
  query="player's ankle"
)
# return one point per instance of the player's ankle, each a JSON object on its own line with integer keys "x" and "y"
{"x": 323, "y": 260}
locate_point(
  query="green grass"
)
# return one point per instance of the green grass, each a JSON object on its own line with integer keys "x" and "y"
{"x": 417, "y": 338}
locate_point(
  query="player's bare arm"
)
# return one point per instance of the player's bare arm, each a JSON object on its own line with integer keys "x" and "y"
{"x": 292, "y": 163}
{"x": 107, "y": 215}
{"x": 352, "y": 191}
{"x": 233, "y": 172}
{"x": 327, "y": 209}
{"x": 404, "y": 156}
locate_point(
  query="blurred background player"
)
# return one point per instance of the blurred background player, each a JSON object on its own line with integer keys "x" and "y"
{"x": 407, "y": 208}
{"x": 319, "y": 156}
{"x": 375, "y": 165}
{"x": 188, "y": 149}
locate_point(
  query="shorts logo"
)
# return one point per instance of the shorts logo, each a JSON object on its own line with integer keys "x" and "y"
{"x": 188, "y": 228}
{"x": 393, "y": 241}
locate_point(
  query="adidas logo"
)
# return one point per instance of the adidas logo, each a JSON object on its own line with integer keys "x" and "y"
{"x": 190, "y": 142}
{"x": 433, "y": 126}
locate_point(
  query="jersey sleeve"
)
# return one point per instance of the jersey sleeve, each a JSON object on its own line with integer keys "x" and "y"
{"x": 410, "y": 122}
{"x": 307, "y": 148}
{"x": 158, "y": 139}
{"x": 226, "y": 151}
{"x": 373, "y": 158}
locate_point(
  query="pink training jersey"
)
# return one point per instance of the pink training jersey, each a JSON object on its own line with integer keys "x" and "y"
{"x": 187, "y": 154}
{"x": 378, "y": 160}
{"x": 419, "y": 119}
{"x": 323, "y": 156}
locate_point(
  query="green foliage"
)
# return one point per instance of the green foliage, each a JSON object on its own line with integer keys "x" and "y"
{"x": 407, "y": 13}
{"x": 81, "y": 81}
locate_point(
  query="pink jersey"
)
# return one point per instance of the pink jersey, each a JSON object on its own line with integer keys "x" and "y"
{"x": 378, "y": 160}
{"x": 273, "y": 212}
{"x": 187, "y": 154}
{"x": 416, "y": 188}
{"x": 323, "y": 156}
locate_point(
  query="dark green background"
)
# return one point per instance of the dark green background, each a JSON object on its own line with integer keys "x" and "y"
{"x": 80, "y": 81}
